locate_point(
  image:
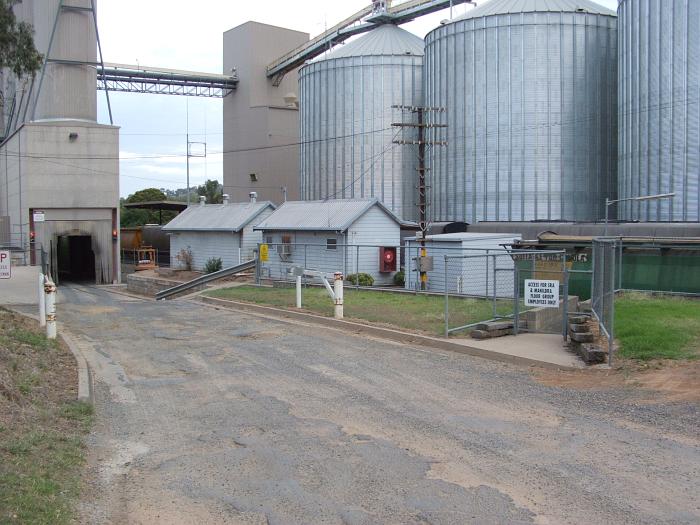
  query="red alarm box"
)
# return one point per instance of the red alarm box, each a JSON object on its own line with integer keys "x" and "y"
{"x": 387, "y": 259}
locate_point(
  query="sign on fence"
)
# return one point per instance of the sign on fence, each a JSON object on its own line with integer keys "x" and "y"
{"x": 264, "y": 252}
{"x": 544, "y": 294}
{"x": 5, "y": 265}
{"x": 39, "y": 216}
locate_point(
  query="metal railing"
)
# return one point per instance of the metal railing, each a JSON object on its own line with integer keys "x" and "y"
{"x": 603, "y": 287}
{"x": 204, "y": 279}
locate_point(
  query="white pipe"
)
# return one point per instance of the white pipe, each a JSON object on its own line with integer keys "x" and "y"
{"x": 50, "y": 290}
{"x": 338, "y": 292}
{"x": 42, "y": 301}
{"x": 298, "y": 291}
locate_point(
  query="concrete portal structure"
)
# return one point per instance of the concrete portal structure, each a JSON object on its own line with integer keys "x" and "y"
{"x": 59, "y": 168}
{"x": 261, "y": 120}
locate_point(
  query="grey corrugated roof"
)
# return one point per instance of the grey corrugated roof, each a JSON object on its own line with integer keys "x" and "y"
{"x": 385, "y": 40}
{"x": 230, "y": 217}
{"x": 330, "y": 215}
{"x": 499, "y": 7}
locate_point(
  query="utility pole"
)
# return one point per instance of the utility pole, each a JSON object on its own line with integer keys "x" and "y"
{"x": 421, "y": 125}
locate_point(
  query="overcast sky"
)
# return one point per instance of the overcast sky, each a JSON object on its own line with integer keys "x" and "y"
{"x": 182, "y": 34}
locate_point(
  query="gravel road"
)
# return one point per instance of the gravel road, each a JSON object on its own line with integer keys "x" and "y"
{"x": 215, "y": 416}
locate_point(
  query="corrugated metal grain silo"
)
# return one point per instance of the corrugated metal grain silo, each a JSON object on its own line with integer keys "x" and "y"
{"x": 659, "y": 115}
{"x": 530, "y": 91}
{"x": 346, "y": 100}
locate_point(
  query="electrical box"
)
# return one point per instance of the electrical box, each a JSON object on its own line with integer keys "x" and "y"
{"x": 425, "y": 264}
{"x": 387, "y": 259}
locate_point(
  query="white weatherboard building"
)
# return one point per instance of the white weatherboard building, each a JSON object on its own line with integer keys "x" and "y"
{"x": 217, "y": 230}
{"x": 471, "y": 275}
{"x": 330, "y": 236}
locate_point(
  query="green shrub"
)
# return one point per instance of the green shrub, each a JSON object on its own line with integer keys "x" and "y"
{"x": 364, "y": 278}
{"x": 213, "y": 265}
{"x": 400, "y": 279}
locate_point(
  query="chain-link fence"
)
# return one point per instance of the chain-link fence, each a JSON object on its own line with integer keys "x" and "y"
{"x": 31, "y": 254}
{"x": 603, "y": 286}
{"x": 362, "y": 265}
{"x": 528, "y": 289}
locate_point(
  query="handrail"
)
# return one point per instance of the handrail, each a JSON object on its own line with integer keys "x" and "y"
{"x": 168, "y": 292}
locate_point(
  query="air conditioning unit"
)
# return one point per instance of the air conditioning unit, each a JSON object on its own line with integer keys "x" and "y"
{"x": 387, "y": 259}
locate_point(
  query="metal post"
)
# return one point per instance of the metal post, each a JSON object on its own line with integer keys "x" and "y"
{"x": 516, "y": 305}
{"x": 611, "y": 328}
{"x": 417, "y": 272}
{"x": 495, "y": 310}
{"x": 338, "y": 292}
{"x": 298, "y": 291}
{"x": 447, "y": 303}
{"x": 50, "y": 291}
{"x": 619, "y": 269}
{"x": 486, "y": 292}
{"x": 565, "y": 313}
{"x": 357, "y": 268}
{"x": 42, "y": 301}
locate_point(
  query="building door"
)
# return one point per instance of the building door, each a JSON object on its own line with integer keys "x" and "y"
{"x": 75, "y": 258}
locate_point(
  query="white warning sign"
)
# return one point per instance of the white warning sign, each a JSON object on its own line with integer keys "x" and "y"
{"x": 5, "y": 265}
{"x": 544, "y": 294}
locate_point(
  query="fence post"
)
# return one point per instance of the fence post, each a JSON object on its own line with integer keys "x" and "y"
{"x": 298, "y": 283}
{"x": 357, "y": 268}
{"x": 447, "y": 303}
{"x": 619, "y": 279}
{"x": 258, "y": 263}
{"x": 611, "y": 328}
{"x": 338, "y": 292}
{"x": 42, "y": 301}
{"x": 565, "y": 313}
{"x": 417, "y": 272}
{"x": 516, "y": 304}
{"x": 495, "y": 310}
{"x": 50, "y": 290}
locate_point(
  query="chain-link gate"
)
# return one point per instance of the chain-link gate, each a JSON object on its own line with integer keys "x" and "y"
{"x": 499, "y": 285}
{"x": 603, "y": 286}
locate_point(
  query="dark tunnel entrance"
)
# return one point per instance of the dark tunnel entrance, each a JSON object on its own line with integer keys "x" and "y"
{"x": 75, "y": 258}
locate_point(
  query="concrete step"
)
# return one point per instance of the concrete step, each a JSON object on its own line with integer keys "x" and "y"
{"x": 495, "y": 325}
{"x": 489, "y": 334}
{"x": 585, "y": 337}
{"x": 591, "y": 354}
{"x": 578, "y": 319}
{"x": 579, "y": 328}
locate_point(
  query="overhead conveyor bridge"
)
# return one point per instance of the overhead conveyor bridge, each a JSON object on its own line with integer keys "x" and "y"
{"x": 364, "y": 20}
{"x": 161, "y": 81}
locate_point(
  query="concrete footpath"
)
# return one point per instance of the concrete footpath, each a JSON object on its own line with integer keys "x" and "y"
{"x": 22, "y": 287}
{"x": 543, "y": 350}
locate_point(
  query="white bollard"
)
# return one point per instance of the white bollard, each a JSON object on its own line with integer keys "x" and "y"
{"x": 298, "y": 291}
{"x": 42, "y": 301}
{"x": 338, "y": 292}
{"x": 50, "y": 289}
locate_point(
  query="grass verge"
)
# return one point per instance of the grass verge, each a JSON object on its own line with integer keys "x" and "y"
{"x": 424, "y": 313}
{"x": 650, "y": 327}
{"x": 42, "y": 426}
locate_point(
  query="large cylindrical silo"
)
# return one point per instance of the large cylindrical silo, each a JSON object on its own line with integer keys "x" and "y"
{"x": 346, "y": 114}
{"x": 530, "y": 93}
{"x": 659, "y": 114}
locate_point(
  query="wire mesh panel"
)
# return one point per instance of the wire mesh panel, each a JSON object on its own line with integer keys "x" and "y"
{"x": 493, "y": 286}
{"x": 603, "y": 288}
{"x": 362, "y": 265}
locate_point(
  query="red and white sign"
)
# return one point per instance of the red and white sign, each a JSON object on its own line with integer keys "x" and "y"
{"x": 5, "y": 265}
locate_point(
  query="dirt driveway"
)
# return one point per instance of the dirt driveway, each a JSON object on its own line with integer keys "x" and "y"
{"x": 212, "y": 416}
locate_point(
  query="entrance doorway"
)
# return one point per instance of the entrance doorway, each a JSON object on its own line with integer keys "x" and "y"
{"x": 75, "y": 258}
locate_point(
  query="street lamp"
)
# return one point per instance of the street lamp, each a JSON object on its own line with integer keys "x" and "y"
{"x": 609, "y": 202}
